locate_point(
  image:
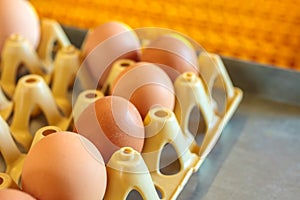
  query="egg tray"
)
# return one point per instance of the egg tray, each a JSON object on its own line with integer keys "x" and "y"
{"x": 211, "y": 94}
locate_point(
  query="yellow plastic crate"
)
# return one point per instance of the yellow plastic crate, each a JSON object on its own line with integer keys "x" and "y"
{"x": 265, "y": 31}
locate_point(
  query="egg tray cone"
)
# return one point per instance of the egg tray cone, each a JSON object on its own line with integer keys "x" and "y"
{"x": 162, "y": 128}
{"x": 12, "y": 156}
{"x": 18, "y": 53}
{"x": 32, "y": 94}
{"x": 7, "y": 182}
{"x": 126, "y": 170}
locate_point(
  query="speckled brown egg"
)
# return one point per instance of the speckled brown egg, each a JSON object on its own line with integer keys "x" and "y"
{"x": 146, "y": 85}
{"x": 111, "y": 123}
{"x": 18, "y": 17}
{"x": 106, "y": 44}
{"x": 173, "y": 53}
{"x": 64, "y": 165}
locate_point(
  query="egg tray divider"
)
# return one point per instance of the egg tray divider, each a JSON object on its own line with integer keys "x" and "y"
{"x": 32, "y": 90}
{"x": 32, "y": 94}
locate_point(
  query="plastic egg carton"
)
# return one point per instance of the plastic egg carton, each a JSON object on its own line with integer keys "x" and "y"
{"x": 31, "y": 94}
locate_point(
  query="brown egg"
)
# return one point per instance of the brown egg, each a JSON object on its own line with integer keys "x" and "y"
{"x": 146, "y": 86}
{"x": 64, "y": 165}
{"x": 12, "y": 194}
{"x": 173, "y": 53}
{"x": 18, "y": 17}
{"x": 106, "y": 44}
{"x": 111, "y": 123}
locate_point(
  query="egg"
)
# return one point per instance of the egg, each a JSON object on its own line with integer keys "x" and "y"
{"x": 111, "y": 123}
{"x": 19, "y": 17}
{"x": 64, "y": 165}
{"x": 106, "y": 44}
{"x": 146, "y": 86}
{"x": 173, "y": 53}
{"x": 13, "y": 194}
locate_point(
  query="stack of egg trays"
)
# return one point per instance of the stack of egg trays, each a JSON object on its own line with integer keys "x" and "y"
{"x": 211, "y": 94}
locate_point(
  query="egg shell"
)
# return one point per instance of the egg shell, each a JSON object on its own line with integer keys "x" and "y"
{"x": 19, "y": 17}
{"x": 12, "y": 194}
{"x": 145, "y": 85}
{"x": 110, "y": 123}
{"x": 173, "y": 53}
{"x": 64, "y": 165}
{"x": 106, "y": 44}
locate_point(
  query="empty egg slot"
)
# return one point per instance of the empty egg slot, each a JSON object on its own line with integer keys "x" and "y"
{"x": 53, "y": 39}
{"x": 191, "y": 92}
{"x": 134, "y": 195}
{"x": 162, "y": 128}
{"x": 197, "y": 125}
{"x": 159, "y": 192}
{"x": 169, "y": 163}
{"x": 18, "y": 55}
{"x": 33, "y": 93}
{"x": 193, "y": 98}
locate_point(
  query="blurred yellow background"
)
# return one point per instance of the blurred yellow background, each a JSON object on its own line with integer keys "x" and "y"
{"x": 264, "y": 31}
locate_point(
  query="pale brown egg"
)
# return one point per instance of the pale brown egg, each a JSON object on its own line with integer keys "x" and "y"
{"x": 64, "y": 165}
{"x": 18, "y": 17}
{"x": 146, "y": 86}
{"x": 173, "y": 53}
{"x": 111, "y": 123}
{"x": 13, "y": 194}
{"x": 106, "y": 44}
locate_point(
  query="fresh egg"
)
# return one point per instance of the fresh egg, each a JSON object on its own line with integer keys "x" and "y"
{"x": 145, "y": 85}
{"x": 106, "y": 44}
{"x": 173, "y": 53}
{"x": 19, "y": 17}
{"x": 64, "y": 165}
{"x": 110, "y": 123}
{"x": 13, "y": 194}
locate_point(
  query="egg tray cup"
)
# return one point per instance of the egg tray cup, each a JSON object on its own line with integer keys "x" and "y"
{"x": 127, "y": 169}
{"x": 32, "y": 95}
{"x": 18, "y": 53}
{"x": 7, "y": 182}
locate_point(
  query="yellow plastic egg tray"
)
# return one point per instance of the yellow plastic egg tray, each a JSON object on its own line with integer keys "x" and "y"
{"x": 262, "y": 31}
{"x": 32, "y": 93}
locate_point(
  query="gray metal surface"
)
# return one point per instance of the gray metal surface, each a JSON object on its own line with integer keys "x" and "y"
{"x": 264, "y": 163}
{"x": 265, "y": 81}
{"x": 257, "y": 156}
